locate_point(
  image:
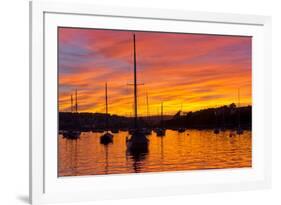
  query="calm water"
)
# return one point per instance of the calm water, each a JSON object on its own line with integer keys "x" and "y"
{"x": 190, "y": 150}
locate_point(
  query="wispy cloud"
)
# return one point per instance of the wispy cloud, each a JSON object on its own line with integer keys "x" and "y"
{"x": 194, "y": 70}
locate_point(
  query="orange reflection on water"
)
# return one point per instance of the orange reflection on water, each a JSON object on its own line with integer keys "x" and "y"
{"x": 190, "y": 150}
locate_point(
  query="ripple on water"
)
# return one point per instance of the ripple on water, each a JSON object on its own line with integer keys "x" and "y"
{"x": 173, "y": 152}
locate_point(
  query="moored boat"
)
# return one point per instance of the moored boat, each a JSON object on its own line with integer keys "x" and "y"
{"x": 107, "y": 137}
{"x": 138, "y": 141}
{"x": 239, "y": 128}
{"x": 160, "y": 132}
{"x": 72, "y": 133}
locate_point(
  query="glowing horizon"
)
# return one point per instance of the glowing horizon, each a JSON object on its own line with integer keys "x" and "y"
{"x": 188, "y": 71}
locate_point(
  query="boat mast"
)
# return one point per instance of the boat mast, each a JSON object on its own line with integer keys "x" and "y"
{"x": 161, "y": 114}
{"x": 238, "y": 97}
{"x": 135, "y": 87}
{"x": 106, "y": 107}
{"x": 238, "y": 108}
{"x": 71, "y": 102}
{"x": 147, "y": 106}
{"x": 106, "y": 104}
{"x": 76, "y": 104}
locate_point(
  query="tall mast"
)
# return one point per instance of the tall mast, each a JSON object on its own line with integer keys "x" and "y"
{"x": 238, "y": 107}
{"x": 106, "y": 107}
{"x": 71, "y": 102}
{"x": 147, "y": 106}
{"x": 135, "y": 87}
{"x": 238, "y": 97}
{"x": 162, "y": 114}
{"x": 76, "y": 104}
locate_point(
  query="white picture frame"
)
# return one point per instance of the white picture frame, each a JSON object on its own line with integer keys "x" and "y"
{"x": 45, "y": 187}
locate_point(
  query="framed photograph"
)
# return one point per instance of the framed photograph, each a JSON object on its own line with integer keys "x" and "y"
{"x": 129, "y": 102}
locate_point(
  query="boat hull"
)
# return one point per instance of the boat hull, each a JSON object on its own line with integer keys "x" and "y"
{"x": 137, "y": 143}
{"x": 106, "y": 138}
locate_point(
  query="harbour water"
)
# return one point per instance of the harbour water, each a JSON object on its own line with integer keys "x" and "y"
{"x": 190, "y": 150}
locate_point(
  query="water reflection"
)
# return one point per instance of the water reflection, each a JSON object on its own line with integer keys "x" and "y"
{"x": 106, "y": 158}
{"x": 137, "y": 158}
{"x": 71, "y": 154}
{"x": 188, "y": 150}
{"x": 162, "y": 148}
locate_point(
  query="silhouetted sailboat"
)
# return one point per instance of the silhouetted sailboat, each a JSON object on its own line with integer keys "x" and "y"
{"x": 107, "y": 137}
{"x": 223, "y": 128}
{"x": 137, "y": 142}
{"x": 76, "y": 102}
{"x": 71, "y": 103}
{"x": 216, "y": 130}
{"x": 239, "y": 128}
{"x": 72, "y": 134}
{"x": 161, "y": 131}
{"x": 180, "y": 112}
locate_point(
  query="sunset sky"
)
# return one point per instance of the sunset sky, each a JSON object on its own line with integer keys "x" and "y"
{"x": 188, "y": 71}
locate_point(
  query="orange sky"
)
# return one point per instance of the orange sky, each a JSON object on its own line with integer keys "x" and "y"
{"x": 181, "y": 70}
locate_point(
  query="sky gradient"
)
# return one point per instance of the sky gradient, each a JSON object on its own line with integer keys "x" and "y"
{"x": 184, "y": 71}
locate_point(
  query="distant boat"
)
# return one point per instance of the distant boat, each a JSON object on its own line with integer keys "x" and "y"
{"x": 240, "y": 131}
{"x": 107, "y": 137}
{"x": 216, "y": 130}
{"x": 239, "y": 128}
{"x": 72, "y": 134}
{"x": 137, "y": 142}
{"x": 160, "y": 132}
{"x": 181, "y": 129}
{"x": 223, "y": 129}
{"x": 232, "y": 134}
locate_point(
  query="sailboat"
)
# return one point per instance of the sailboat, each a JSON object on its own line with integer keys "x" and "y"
{"x": 137, "y": 142}
{"x": 160, "y": 132}
{"x": 216, "y": 130}
{"x": 223, "y": 129}
{"x": 181, "y": 129}
{"x": 72, "y": 134}
{"x": 107, "y": 137}
{"x": 147, "y": 130}
{"x": 239, "y": 129}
